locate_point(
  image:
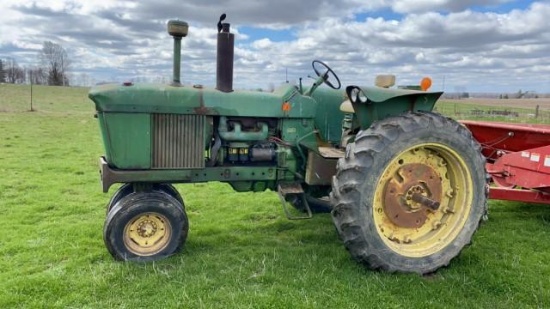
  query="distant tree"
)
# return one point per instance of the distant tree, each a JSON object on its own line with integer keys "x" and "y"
{"x": 521, "y": 94}
{"x": 56, "y": 62}
{"x": 2, "y": 74}
{"x": 37, "y": 76}
{"x": 13, "y": 73}
{"x": 80, "y": 79}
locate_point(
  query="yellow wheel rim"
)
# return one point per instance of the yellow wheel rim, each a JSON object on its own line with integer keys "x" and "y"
{"x": 147, "y": 234}
{"x": 423, "y": 200}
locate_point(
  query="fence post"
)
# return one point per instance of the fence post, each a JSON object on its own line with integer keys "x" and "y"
{"x": 31, "y": 90}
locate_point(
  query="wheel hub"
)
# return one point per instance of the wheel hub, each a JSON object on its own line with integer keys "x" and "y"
{"x": 146, "y": 228}
{"x": 412, "y": 194}
{"x": 147, "y": 234}
{"x": 410, "y": 202}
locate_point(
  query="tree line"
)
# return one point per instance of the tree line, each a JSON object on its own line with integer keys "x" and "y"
{"x": 53, "y": 69}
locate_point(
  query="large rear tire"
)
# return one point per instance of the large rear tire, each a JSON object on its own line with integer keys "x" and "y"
{"x": 410, "y": 193}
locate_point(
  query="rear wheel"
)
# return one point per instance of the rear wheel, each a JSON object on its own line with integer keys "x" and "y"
{"x": 409, "y": 193}
{"x": 145, "y": 226}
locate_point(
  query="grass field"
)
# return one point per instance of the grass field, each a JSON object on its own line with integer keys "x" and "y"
{"x": 241, "y": 252}
{"x": 511, "y": 110}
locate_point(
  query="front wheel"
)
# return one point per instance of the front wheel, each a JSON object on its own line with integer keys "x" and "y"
{"x": 128, "y": 188}
{"x": 410, "y": 193}
{"x": 145, "y": 226}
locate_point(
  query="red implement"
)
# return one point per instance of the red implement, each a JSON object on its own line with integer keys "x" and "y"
{"x": 518, "y": 159}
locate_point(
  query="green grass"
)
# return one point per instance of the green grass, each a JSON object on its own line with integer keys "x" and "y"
{"x": 241, "y": 252}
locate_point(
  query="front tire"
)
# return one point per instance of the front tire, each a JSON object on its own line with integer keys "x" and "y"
{"x": 145, "y": 226}
{"x": 123, "y": 191}
{"x": 128, "y": 188}
{"x": 410, "y": 193}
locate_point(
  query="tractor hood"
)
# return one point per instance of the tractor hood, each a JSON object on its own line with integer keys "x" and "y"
{"x": 154, "y": 98}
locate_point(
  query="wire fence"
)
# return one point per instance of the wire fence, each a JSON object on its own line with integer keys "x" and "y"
{"x": 466, "y": 111}
{"x": 44, "y": 99}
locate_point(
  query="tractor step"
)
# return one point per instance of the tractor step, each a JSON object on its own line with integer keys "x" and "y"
{"x": 331, "y": 152}
{"x": 293, "y": 190}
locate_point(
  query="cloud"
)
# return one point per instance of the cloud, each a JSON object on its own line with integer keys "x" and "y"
{"x": 451, "y": 40}
{"x": 423, "y": 6}
{"x": 461, "y": 46}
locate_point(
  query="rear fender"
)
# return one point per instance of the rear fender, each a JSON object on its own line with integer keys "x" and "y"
{"x": 375, "y": 103}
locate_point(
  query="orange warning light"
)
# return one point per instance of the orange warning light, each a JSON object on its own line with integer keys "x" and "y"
{"x": 426, "y": 83}
{"x": 286, "y": 107}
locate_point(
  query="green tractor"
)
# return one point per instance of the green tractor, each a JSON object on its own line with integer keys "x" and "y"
{"x": 406, "y": 187}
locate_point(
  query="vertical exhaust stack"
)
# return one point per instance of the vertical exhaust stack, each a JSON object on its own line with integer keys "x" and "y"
{"x": 224, "y": 67}
{"x": 177, "y": 29}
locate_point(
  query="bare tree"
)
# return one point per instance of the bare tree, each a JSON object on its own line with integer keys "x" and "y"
{"x": 81, "y": 79}
{"x": 37, "y": 76}
{"x": 13, "y": 73}
{"x": 56, "y": 63}
{"x": 2, "y": 73}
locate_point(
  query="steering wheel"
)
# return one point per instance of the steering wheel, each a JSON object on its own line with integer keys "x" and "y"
{"x": 327, "y": 75}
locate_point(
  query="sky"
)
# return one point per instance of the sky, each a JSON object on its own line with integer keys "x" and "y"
{"x": 467, "y": 45}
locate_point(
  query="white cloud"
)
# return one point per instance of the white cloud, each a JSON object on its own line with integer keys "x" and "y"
{"x": 441, "y": 38}
{"x": 422, "y": 6}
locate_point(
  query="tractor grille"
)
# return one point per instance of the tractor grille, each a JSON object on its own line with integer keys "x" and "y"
{"x": 178, "y": 141}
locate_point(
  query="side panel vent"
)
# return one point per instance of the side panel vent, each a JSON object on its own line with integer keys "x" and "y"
{"x": 178, "y": 141}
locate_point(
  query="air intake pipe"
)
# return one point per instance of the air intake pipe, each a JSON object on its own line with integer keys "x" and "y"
{"x": 224, "y": 66}
{"x": 177, "y": 29}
